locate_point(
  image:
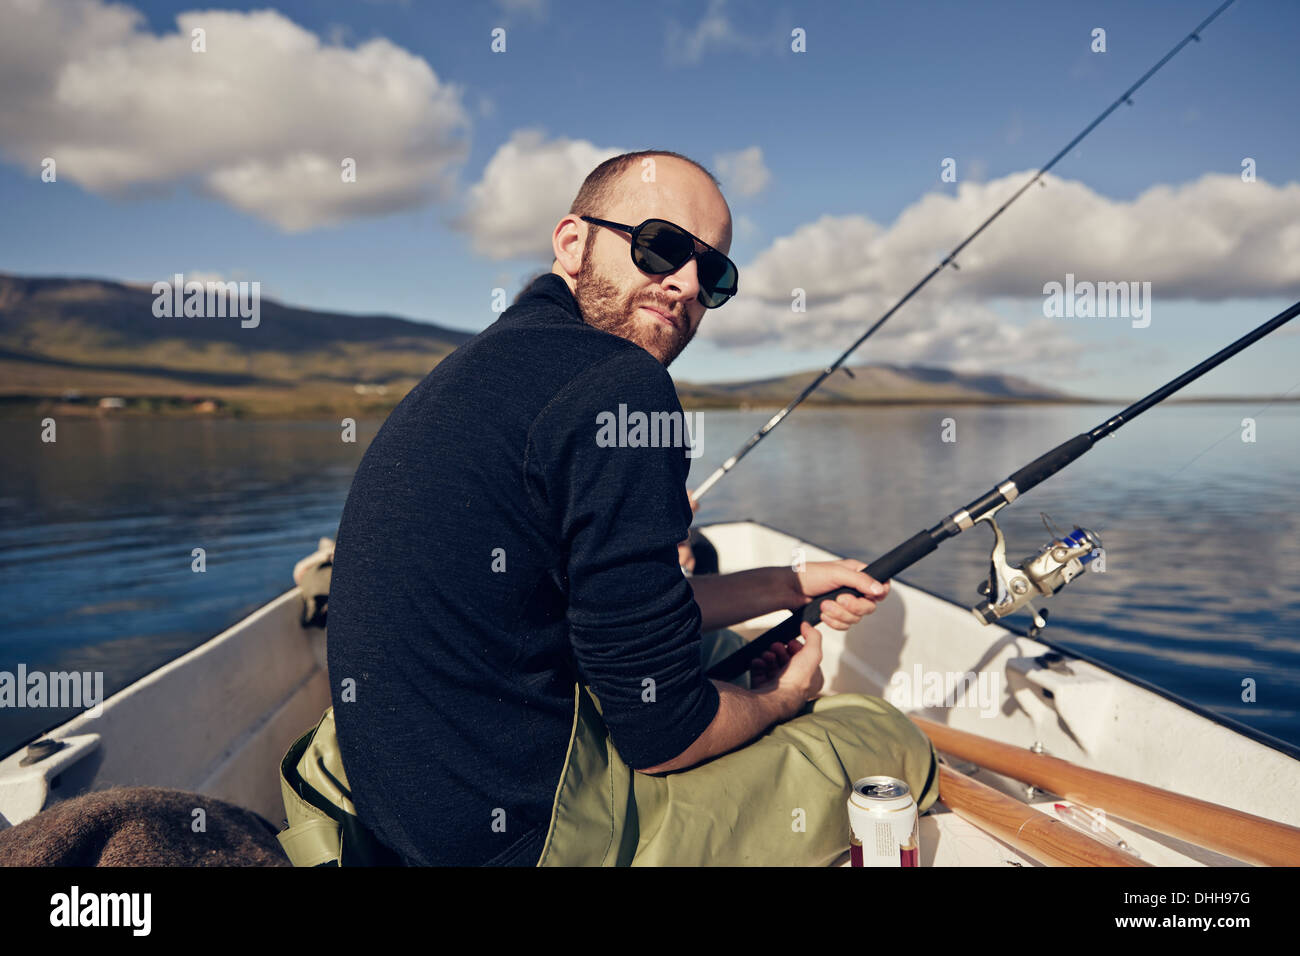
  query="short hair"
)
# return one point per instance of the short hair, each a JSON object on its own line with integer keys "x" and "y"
{"x": 600, "y": 188}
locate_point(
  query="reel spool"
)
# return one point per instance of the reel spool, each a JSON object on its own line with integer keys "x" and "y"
{"x": 1011, "y": 587}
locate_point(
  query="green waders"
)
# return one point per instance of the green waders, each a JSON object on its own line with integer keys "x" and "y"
{"x": 778, "y": 801}
{"x": 781, "y": 800}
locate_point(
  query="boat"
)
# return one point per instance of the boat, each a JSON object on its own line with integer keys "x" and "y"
{"x": 218, "y": 719}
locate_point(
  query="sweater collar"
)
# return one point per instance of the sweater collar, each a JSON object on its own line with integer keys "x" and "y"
{"x": 552, "y": 287}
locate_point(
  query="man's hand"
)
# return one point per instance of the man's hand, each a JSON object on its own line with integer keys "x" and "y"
{"x": 744, "y": 714}
{"x": 792, "y": 669}
{"x": 818, "y": 577}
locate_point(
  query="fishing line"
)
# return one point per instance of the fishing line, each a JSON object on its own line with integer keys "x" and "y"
{"x": 1125, "y": 97}
{"x": 1232, "y": 431}
{"x": 1237, "y": 428}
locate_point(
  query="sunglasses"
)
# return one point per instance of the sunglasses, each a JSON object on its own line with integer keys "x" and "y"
{"x": 660, "y": 247}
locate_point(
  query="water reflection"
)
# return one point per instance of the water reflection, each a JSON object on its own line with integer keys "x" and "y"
{"x": 1202, "y": 533}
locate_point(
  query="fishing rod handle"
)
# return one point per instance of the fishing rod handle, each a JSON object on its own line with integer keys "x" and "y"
{"x": 1044, "y": 466}
{"x": 882, "y": 569}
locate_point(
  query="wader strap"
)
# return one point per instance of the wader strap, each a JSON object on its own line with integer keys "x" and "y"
{"x": 324, "y": 829}
{"x": 593, "y": 819}
{"x": 312, "y": 843}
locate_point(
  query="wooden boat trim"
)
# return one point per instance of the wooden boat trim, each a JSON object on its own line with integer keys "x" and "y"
{"x": 1027, "y": 830}
{"x": 1222, "y": 829}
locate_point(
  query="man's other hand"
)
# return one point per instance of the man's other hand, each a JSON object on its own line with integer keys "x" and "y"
{"x": 793, "y": 669}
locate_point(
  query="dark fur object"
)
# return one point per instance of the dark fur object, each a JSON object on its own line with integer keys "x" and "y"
{"x": 141, "y": 826}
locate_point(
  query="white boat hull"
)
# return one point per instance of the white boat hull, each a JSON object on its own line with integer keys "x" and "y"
{"x": 1092, "y": 717}
{"x": 218, "y": 719}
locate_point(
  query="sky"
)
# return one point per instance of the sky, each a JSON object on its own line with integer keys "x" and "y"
{"x": 226, "y": 163}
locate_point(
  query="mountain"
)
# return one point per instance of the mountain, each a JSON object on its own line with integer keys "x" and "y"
{"x": 877, "y": 384}
{"x": 75, "y": 341}
{"x": 96, "y": 336}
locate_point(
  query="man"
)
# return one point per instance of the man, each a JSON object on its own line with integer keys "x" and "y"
{"x": 509, "y": 627}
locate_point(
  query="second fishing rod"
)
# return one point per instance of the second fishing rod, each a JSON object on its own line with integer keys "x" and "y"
{"x": 949, "y": 260}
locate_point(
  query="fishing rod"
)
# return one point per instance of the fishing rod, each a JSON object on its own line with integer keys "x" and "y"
{"x": 1009, "y": 587}
{"x": 948, "y": 260}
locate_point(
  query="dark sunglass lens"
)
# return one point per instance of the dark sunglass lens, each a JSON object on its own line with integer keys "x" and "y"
{"x": 717, "y": 277}
{"x": 662, "y": 247}
{"x": 716, "y": 272}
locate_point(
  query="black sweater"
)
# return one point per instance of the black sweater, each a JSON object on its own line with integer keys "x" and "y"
{"x": 492, "y": 552}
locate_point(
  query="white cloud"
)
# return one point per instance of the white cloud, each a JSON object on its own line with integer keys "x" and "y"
{"x": 743, "y": 173}
{"x": 1211, "y": 239}
{"x": 262, "y": 120}
{"x": 967, "y": 336}
{"x": 746, "y": 228}
{"x": 199, "y": 275}
{"x": 715, "y": 32}
{"x": 526, "y": 188}
{"x": 535, "y": 8}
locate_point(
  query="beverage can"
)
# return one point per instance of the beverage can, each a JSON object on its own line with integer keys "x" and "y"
{"x": 883, "y": 823}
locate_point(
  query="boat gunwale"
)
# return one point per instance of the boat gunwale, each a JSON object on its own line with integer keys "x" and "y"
{"x": 1228, "y": 723}
{"x": 1259, "y": 736}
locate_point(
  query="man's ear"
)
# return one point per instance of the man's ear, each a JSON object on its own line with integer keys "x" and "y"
{"x": 567, "y": 243}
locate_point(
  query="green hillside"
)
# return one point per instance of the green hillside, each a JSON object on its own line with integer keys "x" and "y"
{"x": 70, "y": 344}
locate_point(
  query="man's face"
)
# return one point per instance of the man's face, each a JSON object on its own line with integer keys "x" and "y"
{"x": 616, "y": 296}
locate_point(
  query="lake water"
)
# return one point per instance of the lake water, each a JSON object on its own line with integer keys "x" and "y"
{"x": 1201, "y": 530}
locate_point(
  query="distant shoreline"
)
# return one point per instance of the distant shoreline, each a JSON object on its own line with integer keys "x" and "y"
{"x": 17, "y": 406}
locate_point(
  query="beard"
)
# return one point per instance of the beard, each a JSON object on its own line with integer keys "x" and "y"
{"x": 603, "y": 307}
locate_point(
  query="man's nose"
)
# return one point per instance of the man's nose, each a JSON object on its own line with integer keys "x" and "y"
{"x": 686, "y": 280}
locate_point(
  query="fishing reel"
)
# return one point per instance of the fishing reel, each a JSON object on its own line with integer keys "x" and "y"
{"x": 1011, "y": 587}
